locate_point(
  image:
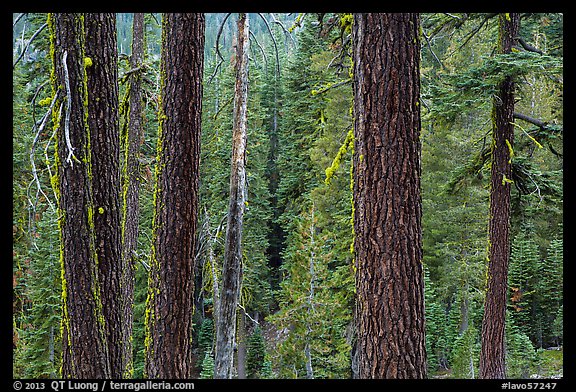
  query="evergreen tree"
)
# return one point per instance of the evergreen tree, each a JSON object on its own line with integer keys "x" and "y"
{"x": 84, "y": 338}
{"x": 493, "y": 361}
{"x": 256, "y": 354}
{"x": 102, "y": 84}
{"x": 521, "y": 356}
{"x": 524, "y": 262}
{"x": 171, "y": 279}
{"x": 207, "y": 366}
{"x": 549, "y": 291}
{"x": 466, "y": 354}
{"x": 387, "y": 203}
{"x": 131, "y": 139}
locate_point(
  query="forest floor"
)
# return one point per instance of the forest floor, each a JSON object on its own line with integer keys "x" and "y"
{"x": 550, "y": 367}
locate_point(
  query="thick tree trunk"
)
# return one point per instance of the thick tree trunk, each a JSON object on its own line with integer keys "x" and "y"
{"x": 232, "y": 268}
{"x": 84, "y": 347}
{"x": 131, "y": 141}
{"x": 493, "y": 353}
{"x": 387, "y": 203}
{"x": 102, "y": 82}
{"x": 171, "y": 280}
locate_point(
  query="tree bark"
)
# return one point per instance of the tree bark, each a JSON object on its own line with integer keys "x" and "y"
{"x": 170, "y": 294}
{"x": 232, "y": 268}
{"x": 84, "y": 348}
{"x": 389, "y": 312}
{"x": 493, "y": 352}
{"x": 131, "y": 140}
{"x": 241, "y": 354}
{"x": 102, "y": 82}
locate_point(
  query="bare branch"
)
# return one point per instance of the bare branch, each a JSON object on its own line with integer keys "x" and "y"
{"x": 274, "y": 42}
{"x": 475, "y": 31}
{"x": 323, "y": 89}
{"x": 218, "y": 47}
{"x": 539, "y": 123}
{"x": 246, "y": 314}
{"x": 527, "y": 46}
{"x": 431, "y": 50}
{"x": 68, "y": 110}
{"x": 43, "y": 123}
{"x": 28, "y": 44}
{"x": 18, "y": 18}
{"x": 260, "y": 47}
{"x": 286, "y": 32}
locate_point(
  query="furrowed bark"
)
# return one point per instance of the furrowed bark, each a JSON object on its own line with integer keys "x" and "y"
{"x": 389, "y": 312}
{"x": 171, "y": 281}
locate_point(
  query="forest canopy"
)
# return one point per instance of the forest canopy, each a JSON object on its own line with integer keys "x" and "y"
{"x": 243, "y": 195}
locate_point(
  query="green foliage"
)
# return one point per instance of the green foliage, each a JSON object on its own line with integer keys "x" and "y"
{"x": 207, "y": 366}
{"x": 256, "y": 352}
{"x": 522, "y": 275}
{"x": 206, "y": 336}
{"x": 535, "y": 287}
{"x": 311, "y": 306}
{"x": 466, "y": 354}
{"x": 40, "y": 323}
{"x": 298, "y": 272}
{"x": 521, "y": 357}
{"x": 558, "y": 325}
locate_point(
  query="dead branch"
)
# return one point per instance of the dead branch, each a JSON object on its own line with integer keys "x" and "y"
{"x": 28, "y": 44}
{"x": 217, "y": 47}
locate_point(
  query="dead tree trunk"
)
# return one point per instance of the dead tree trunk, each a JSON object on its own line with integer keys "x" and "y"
{"x": 232, "y": 268}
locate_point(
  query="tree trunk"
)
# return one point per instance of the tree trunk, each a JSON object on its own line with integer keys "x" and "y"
{"x": 84, "y": 348}
{"x": 170, "y": 294}
{"x": 131, "y": 140}
{"x": 102, "y": 83}
{"x": 387, "y": 203}
{"x": 232, "y": 268}
{"x": 241, "y": 355}
{"x": 493, "y": 353}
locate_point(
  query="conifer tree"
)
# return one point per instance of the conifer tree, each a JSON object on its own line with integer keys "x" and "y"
{"x": 390, "y": 341}
{"x": 524, "y": 262}
{"x": 171, "y": 279}
{"x": 102, "y": 84}
{"x": 492, "y": 359}
{"x": 84, "y": 331}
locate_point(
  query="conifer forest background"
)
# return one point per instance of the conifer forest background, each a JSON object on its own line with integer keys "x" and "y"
{"x": 275, "y": 286}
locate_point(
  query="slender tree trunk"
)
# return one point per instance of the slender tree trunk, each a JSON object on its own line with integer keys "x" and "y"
{"x": 131, "y": 140}
{"x": 493, "y": 353}
{"x": 170, "y": 294}
{"x": 84, "y": 348}
{"x": 387, "y": 203}
{"x": 241, "y": 345}
{"x": 232, "y": 269}
{"x": 311, "y": 299}
{"x": 102, "y": 81}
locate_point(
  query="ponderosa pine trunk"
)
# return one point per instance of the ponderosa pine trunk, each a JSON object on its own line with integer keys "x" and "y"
{"x": 493, "y": 352}
{"x": 132, "y": 137}
{"x": 84, "y": 346}
{"x": 171, "y": 278}
{"x": 101, "y": 63}
{"x": 389, "y": 313}
{"x": 232, "y": 267}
